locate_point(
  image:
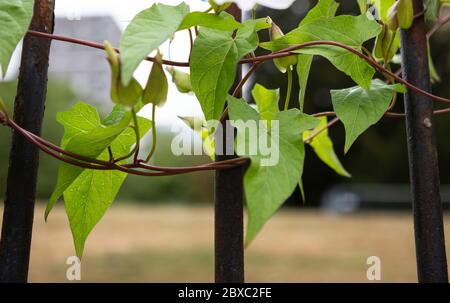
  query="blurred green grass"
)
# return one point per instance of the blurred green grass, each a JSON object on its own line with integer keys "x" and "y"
{"x": 138, "y": 243}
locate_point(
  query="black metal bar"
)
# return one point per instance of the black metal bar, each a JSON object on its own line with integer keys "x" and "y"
{"x": 423, "y": 157}
{"x": 229, "y": 226}
{"x": 24, "y": 157}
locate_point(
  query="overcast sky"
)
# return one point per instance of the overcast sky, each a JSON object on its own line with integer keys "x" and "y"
{"x": 122, "y": 10}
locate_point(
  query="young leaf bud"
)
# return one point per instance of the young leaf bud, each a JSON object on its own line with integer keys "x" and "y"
{"x": 363, "y": 6}
{"x": 392, "y": 20}
{"x": 126, "y": 95}
{"x": 405, "y": 14}
{"x": 283, "y": 64}
{"x": 218, "y": 8}
{"x": 385, "y": 46}
{"x": 181, "y": 79}
{"x": 157, "y": 86}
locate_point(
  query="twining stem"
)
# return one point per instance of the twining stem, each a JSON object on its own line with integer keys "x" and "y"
{"x": 367, "y": 52}
{"x": 111, "y": 155}
{"x": 3, "y": 111}
{"x": 131, "y": 153}
{"x": 191, "y": 43}
{"x": 239, "y": 87}
{"x": 280, "y": 54}
{"x": 152, "y": 151}
{"x": 436, "y": 27}
{"x": 440, "y": 23}
{"x": 320, "y": 130}
{"x": 138, "y": 135}
{"x": 136, "y": 148}
{"x": 3, "y": 119}
{"x": 55, "y": 151}
{"x": 387, "y": 114}
{"x": 372, "y": 62}
{"x": 393, "y": 101}
{"x": 390, "y": 46}
{"x": 86, "y": 162}
{"x": 289, "y": 88}
{"x": 246, "y": 78}
{"x": 97, "y": 46}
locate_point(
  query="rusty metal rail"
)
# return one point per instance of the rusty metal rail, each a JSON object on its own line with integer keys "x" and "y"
{"x": 24, "y": 157}
{"x": 423, "y": 157}
{"x": 229, "y": 226}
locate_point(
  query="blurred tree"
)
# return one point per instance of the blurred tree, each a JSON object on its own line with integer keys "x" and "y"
{"x": 59, "y": 96}
{"x": 197, "y": 187}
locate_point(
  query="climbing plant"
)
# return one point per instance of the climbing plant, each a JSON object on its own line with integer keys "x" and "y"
{"x": 97, "y": 153}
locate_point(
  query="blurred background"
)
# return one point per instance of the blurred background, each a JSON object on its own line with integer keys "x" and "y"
{"x": 161, "y": 229}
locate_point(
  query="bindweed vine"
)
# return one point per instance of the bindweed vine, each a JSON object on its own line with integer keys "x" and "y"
{"x": 99, "y": 153}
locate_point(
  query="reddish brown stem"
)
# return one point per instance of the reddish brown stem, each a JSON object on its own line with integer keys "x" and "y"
{"x": 283, "y": 53}
{"x": 438, "y": 25}
{"x": 89, "y": 163}
{"x": 239, "y": 87}
{"x": 96, "y": 45}
{"x": 319, "y": 131}
{"x": 86, "y": 162}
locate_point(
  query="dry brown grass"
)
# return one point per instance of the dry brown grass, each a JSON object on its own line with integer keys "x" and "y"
{"x": 174, "y": 244}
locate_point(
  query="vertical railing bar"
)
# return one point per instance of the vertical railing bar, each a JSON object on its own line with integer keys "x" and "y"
{"x": 423, "y": 157}
{"x": 229, "y": 226}
{"x": 24, "y": 157}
